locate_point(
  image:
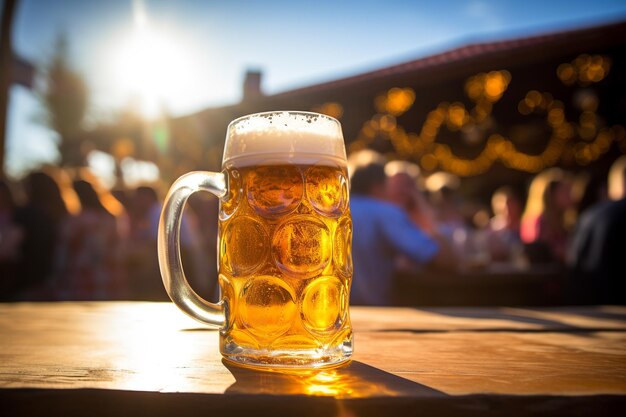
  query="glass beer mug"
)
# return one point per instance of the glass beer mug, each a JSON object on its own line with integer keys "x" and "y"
{"x": 284, "y": 245}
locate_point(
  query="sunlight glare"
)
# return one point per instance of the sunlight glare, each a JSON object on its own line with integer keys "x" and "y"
{"x": 103, "y": 166}
{"x": 137, "y": 172}
{"x": 155, "y": 68}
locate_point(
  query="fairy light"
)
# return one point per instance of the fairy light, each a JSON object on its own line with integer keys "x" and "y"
{"x": 584, "y": 70}
{"x": 485, "y": 89}
{"x": 332, "y": 109}
{"x": 396, "y": 101}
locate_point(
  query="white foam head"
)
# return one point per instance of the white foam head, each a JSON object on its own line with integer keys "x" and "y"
{"x": 294, "y": 137}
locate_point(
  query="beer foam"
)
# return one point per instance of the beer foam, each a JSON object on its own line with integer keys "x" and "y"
{"x": 295, "y": 137}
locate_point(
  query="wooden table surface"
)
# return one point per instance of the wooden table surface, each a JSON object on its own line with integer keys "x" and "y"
{"x": 113, "y": 358}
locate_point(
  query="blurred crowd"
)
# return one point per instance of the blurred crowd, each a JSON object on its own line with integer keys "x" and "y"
{"x": 65, "y": 237}
{"x": 573, "y": 224}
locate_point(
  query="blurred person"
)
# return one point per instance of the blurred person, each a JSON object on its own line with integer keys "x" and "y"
{"x": 402, "y": 190}
{"x": 544, "y": 222}
{"x": 404, "y": 167}
{"x": 381, "y": 232}
{"x": 596, "y": 254}
{"x": 142, "y": 258}
{"x": 587, "y": 191}
{"x": 504, "y": 227}
{"x": 144, "y": 205}
{"x": 447, "y": 202}
{"x": 363, "y": 158}
{"x": 122, "y": 196}
{"x": 114, "y": 201}
{"x": 450, "y": 220}
{"x": 205, "y": 208}
{"x": 40, "y": 220}
{"x": 89, "y": 260}
{"x": 10, "y": 239}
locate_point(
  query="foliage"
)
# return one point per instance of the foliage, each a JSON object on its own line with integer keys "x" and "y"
{"x": 66, "y": 99}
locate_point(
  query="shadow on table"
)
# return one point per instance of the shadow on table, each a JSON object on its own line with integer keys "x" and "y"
{"x": 354, "y": 380}
{"x": 546, "y": 318}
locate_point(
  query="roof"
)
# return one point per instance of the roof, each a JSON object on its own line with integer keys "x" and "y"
{"x": 597, "y": 36}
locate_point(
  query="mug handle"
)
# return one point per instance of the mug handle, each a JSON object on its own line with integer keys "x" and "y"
{"x": 170, "y": 263}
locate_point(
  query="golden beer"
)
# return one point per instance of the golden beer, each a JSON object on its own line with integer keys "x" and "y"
{"x": 285, "y": 262}
{"x": 285, "y": 235}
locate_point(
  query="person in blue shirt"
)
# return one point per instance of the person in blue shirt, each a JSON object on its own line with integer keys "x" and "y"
{"x": 382, "y": 231}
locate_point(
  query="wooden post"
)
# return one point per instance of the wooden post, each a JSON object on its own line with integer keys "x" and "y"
{"x": 6, "y": 66}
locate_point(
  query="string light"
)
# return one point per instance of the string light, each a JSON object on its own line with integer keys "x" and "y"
{"x": 331, "y": 109}
{"x": 485, "y": 89}
{"x": 396, "y": 101}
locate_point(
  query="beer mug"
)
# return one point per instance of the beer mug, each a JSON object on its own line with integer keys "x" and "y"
{"x": 284, "y": 244}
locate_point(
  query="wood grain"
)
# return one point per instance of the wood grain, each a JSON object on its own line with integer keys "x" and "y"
{"x": 513, "y": 361}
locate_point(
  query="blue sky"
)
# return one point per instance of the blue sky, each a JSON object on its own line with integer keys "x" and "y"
{"x": 293, "y": 43}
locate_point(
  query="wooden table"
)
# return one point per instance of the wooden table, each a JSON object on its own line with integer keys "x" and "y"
{"x": 116, "y": 358}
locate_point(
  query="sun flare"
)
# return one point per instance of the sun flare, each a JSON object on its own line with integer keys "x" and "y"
{"x": 156, "y": 69}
